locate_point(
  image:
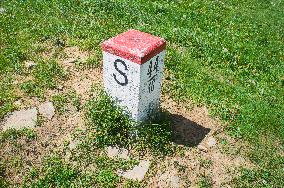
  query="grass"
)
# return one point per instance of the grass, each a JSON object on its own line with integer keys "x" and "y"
{"x": 3, "y": 181}
{"x": 227, "y": 55}
{"x": 46, "y": 75}
{"x": 86, "y": 167}
{"x": 7, "y": 95}
{"x": 56, "y": 173}
{"x": 63, "y": 100}
{"x": 13, "y": 134}
{"x": 110, "y": 126}
{"x": 205, "y": 182}
{"x": 12, "y": 159}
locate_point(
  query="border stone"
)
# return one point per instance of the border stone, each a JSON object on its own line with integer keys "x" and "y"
{"x": 47, "y": 110}
{"x": 137, "y": 173}
{"x": 133, "y": 65}
{"x": 26, "y": 118}
{"x": 115, "y": 152}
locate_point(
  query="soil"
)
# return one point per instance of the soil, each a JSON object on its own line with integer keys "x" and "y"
{"x": 193, "y": 127}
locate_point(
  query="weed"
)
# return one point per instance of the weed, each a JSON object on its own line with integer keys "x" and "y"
{"x": 3, "y": 182}
{"x": 107, "y": 178}
{"x": 13, "y": 134}
{"x": 223, "y": 54}
{"x": 91, "y": 63}
{"x": 269, "y": 169}
{"x": 132, "y": 184}
{"x": 106, "y": 168}
{"x": 103, "y": 168}
{"x": 180, "y": 167}
{"x": 7, "y": 95}
{"x": 75, "y": 100}
{"x": 45, "y": 76}
{"x": 31, "y": 88}
{"x": 61, "y": 101}
{"x": 205, "y": 182}
{"x": 56, "y": 173}
{"x": 155, "y": 135}
{"x": 11, "y": 138}
{"x": 206, "y": 163}
{"x": 104, "y": 162}
{"x": 110, "y": 126}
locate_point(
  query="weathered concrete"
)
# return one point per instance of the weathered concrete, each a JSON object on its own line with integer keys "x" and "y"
{"x": 169, "y": 179}
{"x": 137, "y": 173}
{"x": 133, "y": 69}
{"x": 47, "y": 110}
{"x": 25, "y": 118}
{"x": 115, "y": 152}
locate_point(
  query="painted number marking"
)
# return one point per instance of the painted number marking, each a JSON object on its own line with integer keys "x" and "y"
{"x": 120, "y": 72}
{"x": 152, "y": 74}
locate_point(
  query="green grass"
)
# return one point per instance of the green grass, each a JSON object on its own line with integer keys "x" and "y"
{"x": 11, "y": 158}
{"x": 7, "y": 95}
{"x": 46, "y": 75}
{"x": 13, "y": 134}
{"x": 55, "y": 173}
{"x": 62, "y": 100}
{"x": 227, "y": 55}
{"x": 108, "y": 125}
{"x": 205, "y": 182}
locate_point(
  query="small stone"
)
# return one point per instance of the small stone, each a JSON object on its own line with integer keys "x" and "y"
{"x": 18, "y": 102}
{"x": 175, "y": 182}
{"x": 71, "y": 108}
{"x": 169, "y": 179}
{"x": 60, "y": 87}
{"x": 47, "y": 110}
{"x": 73, "y": 144}
{"x": 70, "y": 60}
{"x": 30, "y": 64}
{"x": 115, "y": 152}
{"x": 26, "y": 118}
{"x": 137, "y": 173}
{"x": 202, "y": 148}
{"x": 211, "y": 142}
{"x": 2, "y": 10}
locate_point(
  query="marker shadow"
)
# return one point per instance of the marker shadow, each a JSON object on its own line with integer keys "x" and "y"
{"x": 187, "y": 132}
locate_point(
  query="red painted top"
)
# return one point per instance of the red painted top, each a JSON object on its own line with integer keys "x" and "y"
{"x": 135, "y": 46}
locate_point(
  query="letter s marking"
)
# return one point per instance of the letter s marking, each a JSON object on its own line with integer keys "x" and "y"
{"x": 122, "y": 73}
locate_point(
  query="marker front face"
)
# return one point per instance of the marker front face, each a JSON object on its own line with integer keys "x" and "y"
{"x": 133, "y": 69}
{"x": 122, "y": 82}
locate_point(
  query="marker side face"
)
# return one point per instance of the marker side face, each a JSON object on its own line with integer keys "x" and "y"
{"x": 150, "y": 88}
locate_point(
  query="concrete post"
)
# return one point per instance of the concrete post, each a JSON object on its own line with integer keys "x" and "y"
{"x": 133, "y": 69}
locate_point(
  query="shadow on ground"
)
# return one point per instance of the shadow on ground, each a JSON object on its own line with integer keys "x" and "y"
{"x": 187, "y": 132}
